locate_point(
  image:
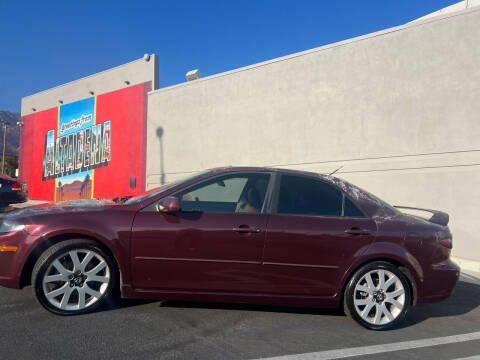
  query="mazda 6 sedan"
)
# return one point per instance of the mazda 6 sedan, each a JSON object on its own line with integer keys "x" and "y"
{"x": 248, "y": 235}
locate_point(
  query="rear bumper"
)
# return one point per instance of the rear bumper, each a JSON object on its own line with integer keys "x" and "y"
{"x": 13, "y": 197}
{"x": 439, "y": 282}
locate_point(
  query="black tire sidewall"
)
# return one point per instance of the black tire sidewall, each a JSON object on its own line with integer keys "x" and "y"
{"x": 52, "y": 253}
{"x": 350, "y": 289}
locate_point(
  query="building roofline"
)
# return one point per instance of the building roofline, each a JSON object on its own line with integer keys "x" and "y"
{"x": 86, "y": 77}
{"x": 409, "y": 25}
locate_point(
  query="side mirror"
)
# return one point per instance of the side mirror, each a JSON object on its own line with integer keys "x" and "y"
{"x": 169, "y": 204}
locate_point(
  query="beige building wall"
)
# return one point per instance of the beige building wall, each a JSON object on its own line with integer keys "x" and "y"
{"x": 399, "y": 110}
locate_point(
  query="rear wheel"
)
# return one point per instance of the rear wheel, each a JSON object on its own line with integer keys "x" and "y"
{"x": 73, "y": 277}
{"x": 378, "y": 296}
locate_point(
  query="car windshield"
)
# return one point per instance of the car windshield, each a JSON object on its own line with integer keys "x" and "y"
{"x": 149, "y": 194}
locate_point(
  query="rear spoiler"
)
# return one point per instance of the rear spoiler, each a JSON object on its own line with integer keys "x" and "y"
{"x": 438, "y": 217}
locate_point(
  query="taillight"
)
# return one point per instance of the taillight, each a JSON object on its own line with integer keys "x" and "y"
{"x": 445, "y": 239}
{"x": 16, "y": 186}
{"x": 446, "y": 242}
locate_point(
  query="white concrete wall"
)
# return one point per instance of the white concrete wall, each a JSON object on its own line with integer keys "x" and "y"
{"x": 135, "y": 72}
{"x": 461, "y": 5}
{"x": 398, "y": 109}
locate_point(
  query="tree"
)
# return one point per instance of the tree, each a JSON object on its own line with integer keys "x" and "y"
{"x": 11, "y": 164}
{"x": 84, "y": 184}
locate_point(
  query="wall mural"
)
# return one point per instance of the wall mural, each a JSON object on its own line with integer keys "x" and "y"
{"x": 81, "y": 146}
{"x": 91, "y": 148}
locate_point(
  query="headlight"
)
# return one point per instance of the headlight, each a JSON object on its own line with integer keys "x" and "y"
{"x": 7, "y": 226}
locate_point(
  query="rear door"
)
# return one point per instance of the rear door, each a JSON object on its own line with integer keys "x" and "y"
{"x": 312, "y": 236}
{"x": 214, "y": 243}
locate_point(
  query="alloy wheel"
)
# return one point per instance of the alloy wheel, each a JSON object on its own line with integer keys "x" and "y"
{"x": 379, "y": 297}
{"x": 76, "y": 280}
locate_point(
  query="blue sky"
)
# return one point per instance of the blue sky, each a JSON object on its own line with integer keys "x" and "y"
{"x": 47, "y": 43}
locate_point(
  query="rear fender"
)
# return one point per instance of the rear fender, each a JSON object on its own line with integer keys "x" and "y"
{"x": 386, "y": 251}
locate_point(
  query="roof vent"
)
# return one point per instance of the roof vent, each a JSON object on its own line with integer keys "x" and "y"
{"x": 193, "y": 75}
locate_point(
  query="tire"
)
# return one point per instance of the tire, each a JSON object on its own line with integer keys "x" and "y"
{"x": 74, "y": 277}
{"x": 374, "y": 304}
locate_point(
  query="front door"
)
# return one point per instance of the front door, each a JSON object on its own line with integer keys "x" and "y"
{"x": 214, "y": 243}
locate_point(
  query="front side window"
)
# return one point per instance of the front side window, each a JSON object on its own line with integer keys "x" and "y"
{"x": 300, "y": 195}
{"x": 234, "y": 193}
{"x": 155, "y": 192}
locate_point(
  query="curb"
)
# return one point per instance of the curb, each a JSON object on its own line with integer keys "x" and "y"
{"x": 467, "y": 265}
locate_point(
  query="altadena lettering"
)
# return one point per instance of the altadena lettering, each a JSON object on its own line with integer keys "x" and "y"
{"x": 81, "y": 150}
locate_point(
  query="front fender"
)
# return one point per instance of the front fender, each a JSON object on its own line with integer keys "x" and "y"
{"x": 115, "y": 240}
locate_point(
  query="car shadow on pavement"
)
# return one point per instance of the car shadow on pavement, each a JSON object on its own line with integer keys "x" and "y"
{"x": 118, "y": 303}
{"x": 252, "y": 307}
{"x": 465, "y": 299}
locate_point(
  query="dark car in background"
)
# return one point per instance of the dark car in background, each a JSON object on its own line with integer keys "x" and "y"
{"x": 12, "y": 191}
{"x": 249, "y": 235}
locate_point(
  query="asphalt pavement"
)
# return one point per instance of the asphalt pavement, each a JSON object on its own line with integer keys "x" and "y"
{"x": 180, "y": 330}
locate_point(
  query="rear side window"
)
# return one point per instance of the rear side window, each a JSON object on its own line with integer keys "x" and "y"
{"x": 351, "y": 210}
{"x": 301, "y": 195}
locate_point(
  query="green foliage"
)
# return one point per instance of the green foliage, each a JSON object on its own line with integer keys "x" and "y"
{"x": 11, "y": 164}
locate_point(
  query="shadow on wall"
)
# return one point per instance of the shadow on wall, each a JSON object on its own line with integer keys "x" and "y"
{"x": 160, "y": 133}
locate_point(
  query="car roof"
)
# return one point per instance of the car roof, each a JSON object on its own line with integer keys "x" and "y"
{"x": 369, "y": 203}
{"x": 263, "y": 168}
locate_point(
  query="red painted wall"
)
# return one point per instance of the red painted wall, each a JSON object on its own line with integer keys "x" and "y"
{"x": 35, "y": 126}
{"x": 127, "y": 111}
{"x": 125, "y": 108}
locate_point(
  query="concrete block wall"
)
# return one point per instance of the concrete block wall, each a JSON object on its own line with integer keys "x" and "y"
{"x": 398, "y": 109}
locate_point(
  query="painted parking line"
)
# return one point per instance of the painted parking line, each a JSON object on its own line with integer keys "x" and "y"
{"x": 476, "y": 357}
{"x": 378, "y": 349}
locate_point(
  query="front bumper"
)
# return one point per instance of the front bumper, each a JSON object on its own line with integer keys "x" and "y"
{"x": 11, "y": 262}
{"x": 439, "y": 282}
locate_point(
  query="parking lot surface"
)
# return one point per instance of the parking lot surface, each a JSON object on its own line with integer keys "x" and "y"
{"x": 179, "y": 330}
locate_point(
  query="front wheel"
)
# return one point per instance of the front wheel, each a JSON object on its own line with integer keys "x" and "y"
{"x": 73, "y": 277}
{"x": 378, "y": 296}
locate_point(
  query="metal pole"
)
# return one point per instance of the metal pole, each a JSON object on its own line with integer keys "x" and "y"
{"x": 4, "y": 143}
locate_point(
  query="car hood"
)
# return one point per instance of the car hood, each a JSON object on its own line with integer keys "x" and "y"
{"x": 82, "y": 205}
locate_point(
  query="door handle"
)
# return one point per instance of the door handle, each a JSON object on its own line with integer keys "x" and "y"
{"x": 357, "y": 231}
{"x": 246, "y": 230}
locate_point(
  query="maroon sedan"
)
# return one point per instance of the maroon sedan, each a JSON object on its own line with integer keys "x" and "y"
{"x": 253, "y": 235}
